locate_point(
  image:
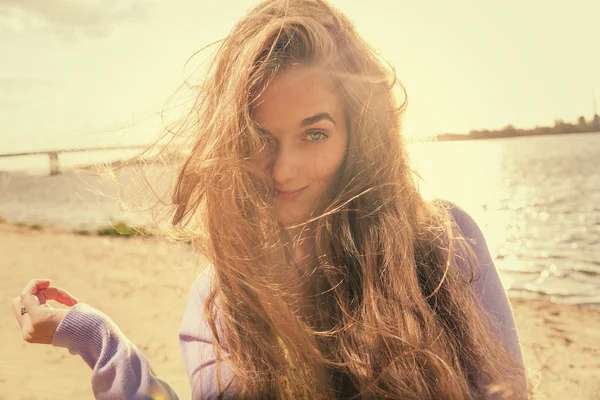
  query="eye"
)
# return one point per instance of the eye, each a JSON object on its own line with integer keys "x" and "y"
{"x": 316, "y": 136}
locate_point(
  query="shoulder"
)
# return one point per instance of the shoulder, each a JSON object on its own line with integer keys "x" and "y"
{"x": 488, "y": 286}
{"x": 202, "y": 284}
{"x": 474, "y": 238}
{"x": 463, "y": 220}
{"x": 196, "y": 342}
{"x": 194, "y": 323}
{"x": 470, "y": 231}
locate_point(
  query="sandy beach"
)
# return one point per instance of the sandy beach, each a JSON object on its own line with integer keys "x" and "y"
{"x": 143, "y": 286}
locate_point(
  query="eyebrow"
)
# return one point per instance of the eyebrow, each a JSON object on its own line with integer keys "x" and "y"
{"x": 305, "y": 122}
{"x": 316, "y": 118}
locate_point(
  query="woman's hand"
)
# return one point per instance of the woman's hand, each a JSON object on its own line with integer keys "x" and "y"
{"x": 37, "y": 319}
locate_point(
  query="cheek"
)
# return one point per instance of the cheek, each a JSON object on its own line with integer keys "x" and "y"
{"x": 265, "y": 158}
{"x": 263, "y": 162}
{"x": 330, "y": 160}
{"x": 327, "y": 166}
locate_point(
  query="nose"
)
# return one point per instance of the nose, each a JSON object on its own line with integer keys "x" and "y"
{"x": 285, "y": 165}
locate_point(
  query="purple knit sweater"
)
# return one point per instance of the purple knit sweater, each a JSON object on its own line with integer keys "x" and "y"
{"x": 120, "y": 370}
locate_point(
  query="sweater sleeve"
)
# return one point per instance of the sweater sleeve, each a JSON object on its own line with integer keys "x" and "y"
{"x": 196, "y": 342}
{"x": 119, "y": 369}
{"x": 487, "y": 286}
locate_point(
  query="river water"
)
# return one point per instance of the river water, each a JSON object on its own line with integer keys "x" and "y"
{"x": 536, "y": 199}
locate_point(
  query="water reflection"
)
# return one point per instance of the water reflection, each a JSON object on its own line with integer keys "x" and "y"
{"x": 536, "y": 200}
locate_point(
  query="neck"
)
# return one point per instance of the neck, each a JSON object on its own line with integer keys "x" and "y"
{"x": 300, "y": 243}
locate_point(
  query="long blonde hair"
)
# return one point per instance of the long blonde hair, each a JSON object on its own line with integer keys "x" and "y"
{"x": 390, "y": 312}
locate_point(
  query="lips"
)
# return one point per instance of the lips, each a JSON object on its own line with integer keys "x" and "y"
{"x": 289, "y": 194}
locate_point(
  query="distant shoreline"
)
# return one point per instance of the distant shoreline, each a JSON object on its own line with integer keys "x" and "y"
{"x": 478, "y": 135}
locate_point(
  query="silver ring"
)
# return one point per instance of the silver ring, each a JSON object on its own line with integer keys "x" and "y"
{"x": 23, "y": 310}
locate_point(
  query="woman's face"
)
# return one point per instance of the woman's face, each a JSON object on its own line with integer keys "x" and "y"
{"x": 304, "y": 124}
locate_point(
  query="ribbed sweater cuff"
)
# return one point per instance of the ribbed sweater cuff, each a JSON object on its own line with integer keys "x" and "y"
{"x": 87, "y": 332}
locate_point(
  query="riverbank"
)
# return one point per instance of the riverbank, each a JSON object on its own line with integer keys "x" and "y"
{"x": 144, "y": 287}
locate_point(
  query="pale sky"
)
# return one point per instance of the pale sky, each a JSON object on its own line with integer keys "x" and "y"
{"x": 97, "y": 72}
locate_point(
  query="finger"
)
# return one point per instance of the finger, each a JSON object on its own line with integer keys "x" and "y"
{"x": 31, "y": 302}
{"x": 36, "y": 284}
{"x": 28, "y": 297}
{"x": 57, "y": 294}
{"x": 23, "y": 319}
{"x": 16, "y": 303}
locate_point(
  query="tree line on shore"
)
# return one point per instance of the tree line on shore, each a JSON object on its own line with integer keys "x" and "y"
{"x": 560, "y": 127}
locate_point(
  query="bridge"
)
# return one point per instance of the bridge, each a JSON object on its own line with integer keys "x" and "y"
{"x": 53, "y": 154}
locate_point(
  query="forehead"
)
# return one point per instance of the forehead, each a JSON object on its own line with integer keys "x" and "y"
{"x": 295, "y": 94}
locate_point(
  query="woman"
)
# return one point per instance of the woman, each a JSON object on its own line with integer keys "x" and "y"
{"x": 330, "y": 276}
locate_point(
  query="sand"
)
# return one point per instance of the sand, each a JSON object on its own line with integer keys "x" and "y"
{"x": 143, "y": 285}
